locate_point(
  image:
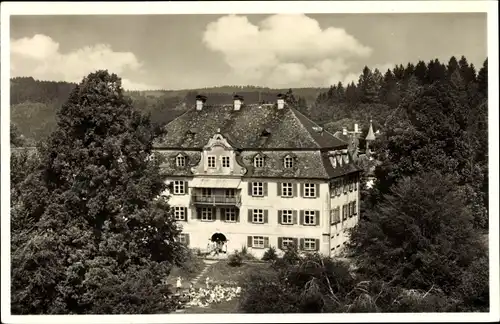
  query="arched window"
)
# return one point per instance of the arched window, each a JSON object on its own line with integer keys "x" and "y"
{"x": 180, "y": 161}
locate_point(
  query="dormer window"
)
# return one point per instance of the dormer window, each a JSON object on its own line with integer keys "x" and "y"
{"x": 180, "y": 161}
{"x": 288, "y": 162}
{"x": 340, "y": 160}
{"x": 333, "y": 161}
{"x": 211, "y": 162}
{"x": 258, "y": 162}
{"x": 346, "y": 158}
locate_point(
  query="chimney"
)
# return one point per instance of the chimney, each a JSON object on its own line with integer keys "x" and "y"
{"x": 200, "y": 100}
{"x": 344, "y": 131}
{"x": 281, "y": 101}
{"x": 238, "y": 101}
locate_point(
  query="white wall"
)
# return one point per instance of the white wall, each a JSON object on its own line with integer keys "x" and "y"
{"x": 237, "y": 233}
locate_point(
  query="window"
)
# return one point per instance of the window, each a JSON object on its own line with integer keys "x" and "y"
{"x": 339, "y": 187}
{"x": 206, "y": 192}
{"x": 230, "y": 193}
{"x": 230, "y": 215}
{"x": 183, "y": 238}
{"x": 287, "y": 217}
{"x": 344, "y": 212}
{"x": 179, "y": 187}
{"x": 309, "y": 244}
{"x": 287, "y": 190}
{"x": 211, "y": 162}
{"x": 258, "y": 242}
{"x": 288, "y": 162}
{"x": 286, "y": 241}
{"x": 257, "y": 189}
{"x": 335, "y": 215}
{"x": 355, "y": 212}
{"x": 225, "y": 161}
{"x": 309, "y": 217}
{"x": 258, "y": 216}
{"x": 356, "y": 183}
{"x": 206, "y": 214}
{"x": 345, "y": 182}
{"x": 258, "y": 162}
{"x": 180, "y": 161}
{"x": 180, "y": 213}
{"x": 309, "y": 190}
{"x": 351, "y": 183}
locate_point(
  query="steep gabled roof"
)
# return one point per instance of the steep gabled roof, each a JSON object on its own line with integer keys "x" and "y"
{"x": 287, "y": 128}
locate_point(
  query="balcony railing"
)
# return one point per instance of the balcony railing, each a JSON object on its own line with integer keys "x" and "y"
{"x": 216, "y": 200}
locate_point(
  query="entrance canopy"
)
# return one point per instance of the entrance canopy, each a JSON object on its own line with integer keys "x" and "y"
{"x": 215, "y": 183}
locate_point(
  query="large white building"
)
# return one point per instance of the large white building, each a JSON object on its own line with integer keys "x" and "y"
{"x": 259, "y": 176}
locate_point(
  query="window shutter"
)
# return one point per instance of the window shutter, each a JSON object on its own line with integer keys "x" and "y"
{"x": 214, "y": 214}
{"x": 264, "y": 185}
{"x": 317, "y": 190}
{"x": 185, "y": 214}
{"x": 301, "y": 247}
{"x": 302, "y": 190}
{"x": 249, "y": 241}
{"x": 266, "y": 216}
{"x": 301, "y": 217}
{"x": 355, "y": 209}
{"x": 249, "y": 215}
{"x": 294, "y": 216}
{"x": 279, "y": 217}
{"x": 295, "y": 242}
{"x": 266, "y": 242}
{"x": 278, "y": 186}
{"x": 317, "y": 218}
{"x": 197, "y": 215}
{"x": 294, "y": 189}
{"x": 223, "y": 214}
{"x": 280, "y": 243}
{"x": 237, "y": 213}
{"x": 187, "y": 239}
{"x": 317, "y": 245}
{"x": 250, "y": 185}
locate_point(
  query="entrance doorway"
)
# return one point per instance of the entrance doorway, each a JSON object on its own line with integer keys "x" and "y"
{"x": 219, "y": 243}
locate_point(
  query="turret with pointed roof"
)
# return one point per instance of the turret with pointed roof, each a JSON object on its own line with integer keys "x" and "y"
{"x": 370, "y": 137}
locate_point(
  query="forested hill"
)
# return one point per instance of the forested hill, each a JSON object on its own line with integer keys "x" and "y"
{"x": 34, "y": 102}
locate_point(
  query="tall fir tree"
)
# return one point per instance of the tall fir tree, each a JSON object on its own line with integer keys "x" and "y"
{"x": 368, "y": 86}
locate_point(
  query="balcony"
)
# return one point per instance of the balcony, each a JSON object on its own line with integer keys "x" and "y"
{"x": 213, "y": 200}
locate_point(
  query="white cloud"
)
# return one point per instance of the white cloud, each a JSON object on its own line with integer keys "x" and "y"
{"x": 284, "y": 50}
{"x": 40, "y": 57}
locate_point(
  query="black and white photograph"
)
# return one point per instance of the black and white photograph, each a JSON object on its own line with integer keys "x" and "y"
{"x": 249, "y": 161}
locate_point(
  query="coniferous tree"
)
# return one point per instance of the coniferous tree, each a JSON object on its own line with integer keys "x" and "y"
{"x": 91, "y": 231}
{"x": 482, "y": 79}
{"x": 452, "y": 66}
{"x": 368, "y": 86}
{"x": 420, "y": 72}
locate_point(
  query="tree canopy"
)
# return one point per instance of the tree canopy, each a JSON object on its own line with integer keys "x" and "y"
{"x": 91, "y": 231}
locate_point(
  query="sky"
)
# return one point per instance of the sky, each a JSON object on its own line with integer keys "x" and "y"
{"x": 279, "y": 51}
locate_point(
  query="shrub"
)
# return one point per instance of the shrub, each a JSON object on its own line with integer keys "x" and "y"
{"x": 266, "y": 293}
{"x": 191, "y": 263}
{"x": 245, "y": 255}
{"x": 270, "y": 255}
{"x": 235, "y": 259}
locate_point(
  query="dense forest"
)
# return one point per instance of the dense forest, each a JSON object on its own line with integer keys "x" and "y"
{"x": 418, "y": 246}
